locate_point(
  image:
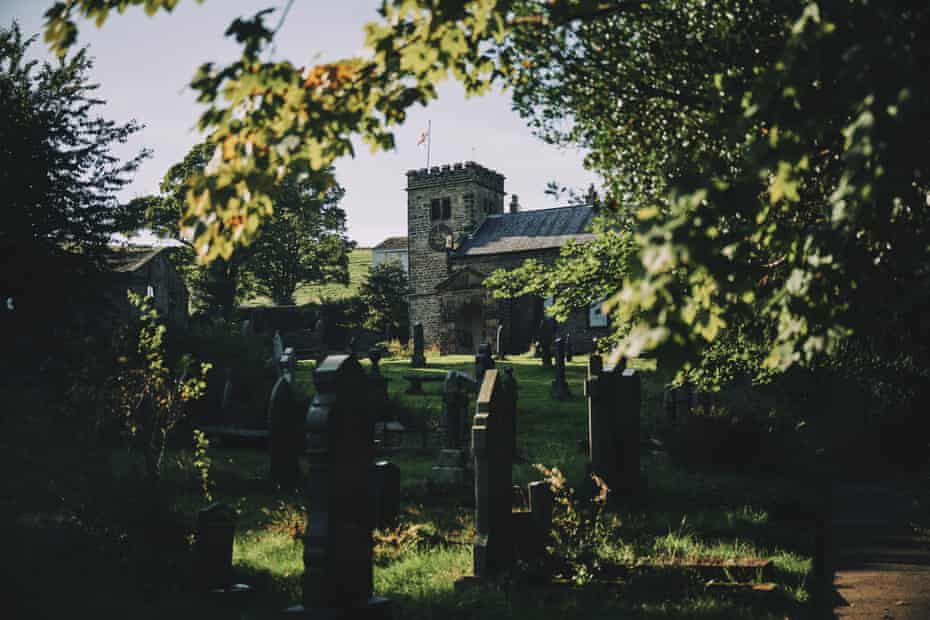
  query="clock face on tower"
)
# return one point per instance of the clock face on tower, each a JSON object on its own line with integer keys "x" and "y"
{"x": 438, "y": 235}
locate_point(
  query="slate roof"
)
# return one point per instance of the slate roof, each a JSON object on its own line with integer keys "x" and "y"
{"x": 392, "y": 243}
{"x": 131, "y": 257}
{"x": 525, "y": 231}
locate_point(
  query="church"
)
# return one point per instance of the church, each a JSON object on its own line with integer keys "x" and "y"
{"x": 458, "y": 233}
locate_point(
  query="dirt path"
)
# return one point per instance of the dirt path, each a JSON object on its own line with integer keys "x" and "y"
{"x": 882, "y": 569}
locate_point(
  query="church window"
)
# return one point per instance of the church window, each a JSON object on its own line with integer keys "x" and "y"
{"x": 446, "y": 208}
{"x": 434, "y": 209}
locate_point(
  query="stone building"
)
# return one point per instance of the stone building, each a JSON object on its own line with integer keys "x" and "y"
{"x": 392, "y": 249}
{"x": 149, "y": 272}
{"x": 458, "y": 233}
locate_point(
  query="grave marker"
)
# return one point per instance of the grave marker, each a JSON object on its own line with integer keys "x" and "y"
{"x": 419, "y": 359}
{"x": 483, "y": 361}
{"x": 337, "y": 579}
{"x": 559, "y": 385}
{"x": 286, "y": 434}
{"x": 614, "y": 403}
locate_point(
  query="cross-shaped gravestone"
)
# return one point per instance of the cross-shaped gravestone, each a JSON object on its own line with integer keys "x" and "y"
{"x": 337, "y": 579}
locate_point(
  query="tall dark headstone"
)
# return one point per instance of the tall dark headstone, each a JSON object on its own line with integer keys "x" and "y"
{"x": 286, "y": 434}
{"x": 378, "y": 385}
{"x": 385, "y": 488}
{"x": 501, "y": 345}
{"x": 492, "y": 447}
{"x": 419, "y": 359}
{"x": 614, "y": 403}
{"x": 483, "y": 361}
{"x": 569, "y": 350}
{"x": 216, "y": 528}
{"x": 559, "y": 384}
{"x": 546, "y": 334}
{"x": 337, "y": 580}
{"x": 277, "y": 350}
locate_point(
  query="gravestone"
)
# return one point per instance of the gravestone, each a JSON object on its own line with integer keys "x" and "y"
{"x": 277, "y": 350}
{"x": 419, "y": 359}
{"x": 501, "y": 355}
{"x": 288, "y": 364}
{"x": 559, "y": 384}
{"x": 319, "y": 332}
{"x": 385, "y": 488}
{"x": 246, "y": 329}
{"x": 510, "y": 383}
{"x": 286, "y": 434}
{"x": 492, "y": 447}
{"x": 531, "y": 528}
{"x": 337, "y": 579}
{"x": 546, "y": 335}
{"x": 569, "y": 350}
{"x": 378, "y": 384}
{"x": 614, "y": 403}
{"x": 450, "y": 464}
{"x": 213, "y": 550}
{"x": 483, "y": 361}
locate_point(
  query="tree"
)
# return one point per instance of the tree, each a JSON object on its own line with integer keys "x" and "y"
{"x": 59, "y": 182}
{"x": 303, "y": 241}
{"x": 384, "y": 295}
{"x": 772, "y": 153}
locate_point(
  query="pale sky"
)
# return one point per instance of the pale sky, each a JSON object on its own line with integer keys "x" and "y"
{"x": 143, "y": 65}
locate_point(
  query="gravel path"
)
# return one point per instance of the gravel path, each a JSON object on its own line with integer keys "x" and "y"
{"x": 882, "y": 568}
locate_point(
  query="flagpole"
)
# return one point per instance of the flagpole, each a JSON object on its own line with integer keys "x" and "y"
{"x": 429, "y": 139}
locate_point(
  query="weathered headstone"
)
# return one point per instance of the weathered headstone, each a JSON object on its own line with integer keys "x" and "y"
{"x": 288, "y": 364}
{"x": 213, "y": 551}
{"x": 378, "y": 385}
{"x": 277, "y": 350}
{"x": 531, "y": 529}
{"x": 385, "y": 488}
{"x": 569, "y": 350}
{"x": 483, "y": 361}
{"x": 286, "y": 436}
{"x": 450, "y": 464}
{"x": 492, "y": 447}
{"x": 614, "y": 403}
{"x": 546, "y": 334}
{"x": 501, "y": 354}
{"x": 419, "y": 359}
{"x": 559, "y": 384}
{"x": 337, "y": 580}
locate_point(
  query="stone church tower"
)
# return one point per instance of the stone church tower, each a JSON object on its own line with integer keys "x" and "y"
{"x": 444, "y": 205}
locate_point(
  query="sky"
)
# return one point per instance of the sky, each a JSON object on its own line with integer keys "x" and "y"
{"x": 143, "y": 65}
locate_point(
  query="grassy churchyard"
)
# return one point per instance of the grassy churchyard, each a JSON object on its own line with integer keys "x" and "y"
{"x": 659, "y": 556}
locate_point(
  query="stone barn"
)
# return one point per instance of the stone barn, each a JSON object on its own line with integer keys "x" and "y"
{"x": 147, "y": 271}
{"x": 458, "y": 233}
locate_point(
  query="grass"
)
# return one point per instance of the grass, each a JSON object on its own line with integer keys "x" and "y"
{"x": 685, "y": 515}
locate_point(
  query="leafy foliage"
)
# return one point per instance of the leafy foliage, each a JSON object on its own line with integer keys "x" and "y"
{"x": 146, "y": 395}
{"x": 384, "y": 296}
{"x": 772, "y": 152}
{"x": 303, "y": 241}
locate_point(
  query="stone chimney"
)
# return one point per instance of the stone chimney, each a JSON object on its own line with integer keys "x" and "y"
{"x": 514, "y": 204}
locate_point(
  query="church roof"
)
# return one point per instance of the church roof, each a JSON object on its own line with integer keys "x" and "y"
{"x": 525, "y": 231}
{"x": 131, "y": 257}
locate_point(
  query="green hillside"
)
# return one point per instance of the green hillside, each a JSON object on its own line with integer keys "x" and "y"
{"x": 359, "y": 263}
